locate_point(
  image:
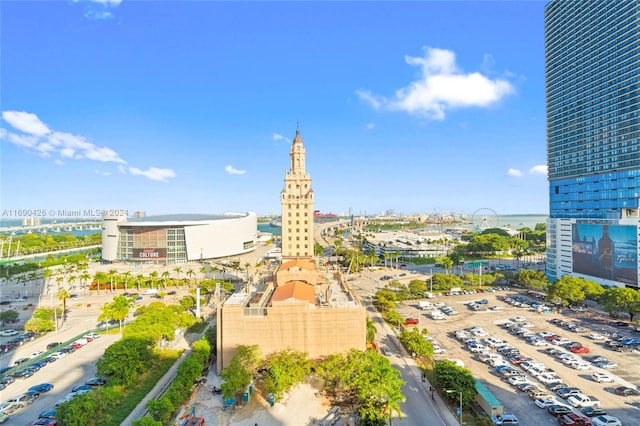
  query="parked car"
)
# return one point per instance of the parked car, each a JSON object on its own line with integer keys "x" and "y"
{"x": 626, "y": 391}
{"x": 601, "y": 377}
{"x": 96, "y": 381}
{"x": 572, "y": 419}
{"x": 410, "y": 321}
{"x": 593, "y": 412}
{"x": 44, "y": 422}
{"x": 49, "y": 414}
{"x": 42, "y": 387}
{"x": 545, "y": 402}
{"x": 605, "y": 420}
{"x": 8, "y": 333}
{"x": 558, "y": 409}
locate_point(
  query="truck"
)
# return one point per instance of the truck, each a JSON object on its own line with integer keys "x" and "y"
{"x": 424, "y": 304}
{"x": 487, "y": 401}
{"x": 581, "y": 401}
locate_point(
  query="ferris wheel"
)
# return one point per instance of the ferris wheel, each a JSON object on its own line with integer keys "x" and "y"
{"x": 484, "y": 218}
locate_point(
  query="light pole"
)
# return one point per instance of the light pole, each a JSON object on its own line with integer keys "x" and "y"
{"x": 460, "y": 407}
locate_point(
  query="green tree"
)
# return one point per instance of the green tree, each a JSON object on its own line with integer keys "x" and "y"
{"x": 165, "y": 275}
{"x": 117, "y": 310}
{"x": 570, "y": 290}
{"x": 9, "y": 315}
{"x": 621, "y": 299}
{"x": 415, "y": 343}
{"x": 239, "y": 373}
{"x": 161, "y": 409}
{"x": 318, "y": 250}
{"x": 371, "y": 330}
{"x": 365, "y": 379}
{"x": 178, "y": 271}
{"x": 446, "y": 262}
{"x": 449, "y": 376}
{"x": 444, "y": 282}
{"x": 125, "y": 360}
{"x": 536, "y": 280}
{"x": 64, "y": 295}
{"x": 284, "y": 370}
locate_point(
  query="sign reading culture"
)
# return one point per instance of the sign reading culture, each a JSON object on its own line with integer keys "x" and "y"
{"x": 149, "y": 253}
{"x": 606, "y": 251}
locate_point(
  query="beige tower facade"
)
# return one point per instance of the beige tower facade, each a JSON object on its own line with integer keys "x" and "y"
{"x": 297, "y": 206}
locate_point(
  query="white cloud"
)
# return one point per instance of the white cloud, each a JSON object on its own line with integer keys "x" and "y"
{"x": 25, "y": 122}
{"x": 370, "y": 126}
{"x": 278, "y": 137}
{"x": 233, "y": 171}
{"x": 37, "y": 137}
{"x": 514, "y": 172}
{"x": 154, "y": 173}
{"x": 540, "y": 169}
{"x": 441, "y": 87}
{"x": 99, "y": 9}
{"x": 97, "y": 14}
{"x": 102, "y": 173}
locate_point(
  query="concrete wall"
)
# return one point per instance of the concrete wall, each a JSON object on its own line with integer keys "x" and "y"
{"x": 316, "y": 330}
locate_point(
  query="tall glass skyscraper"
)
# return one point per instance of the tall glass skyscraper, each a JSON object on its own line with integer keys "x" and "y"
{"x": 592, "y": 63}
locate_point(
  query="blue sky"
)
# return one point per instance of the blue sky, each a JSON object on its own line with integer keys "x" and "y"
{"x": 190, "y": 107}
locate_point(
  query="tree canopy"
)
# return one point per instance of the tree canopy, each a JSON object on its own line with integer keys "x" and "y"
{"x": 621, "y": 299}
{"x": 570, "y": 290}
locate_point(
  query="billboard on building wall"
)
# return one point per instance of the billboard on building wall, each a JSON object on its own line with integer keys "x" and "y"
{"x": 606, "y": 251}
{"x": 149, "y": 253}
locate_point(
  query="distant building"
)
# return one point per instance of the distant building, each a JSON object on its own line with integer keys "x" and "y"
{"x": 592, "y": 58}
{"x": 300, "y": 307}
{"x": 178, "y": 238}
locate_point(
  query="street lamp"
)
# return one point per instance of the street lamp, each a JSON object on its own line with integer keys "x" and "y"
{"x": 460, "y": 407}
{"x": 430, "y": 280}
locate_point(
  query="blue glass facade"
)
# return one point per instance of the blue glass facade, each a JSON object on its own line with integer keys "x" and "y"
{"x": 592, "y": 57}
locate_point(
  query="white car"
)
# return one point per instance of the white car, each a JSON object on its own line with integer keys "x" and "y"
{"x": 8, "y": 333}
{"x": 35, "y": 354}
{"x": 515, "y": 380}
{"x": 527, "y": 325}
{"x": 580, "y": 366}
{"x": 596, "y": 336}
{"x": 496, "y": 308}
{"x": 545, "y": 402}
{"x": 602, "y": 378}
{"x": 519, "y": 319}
{"x": 605, "y": 420}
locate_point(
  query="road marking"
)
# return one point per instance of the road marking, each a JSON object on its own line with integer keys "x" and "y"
{"x": 413, "y": 389}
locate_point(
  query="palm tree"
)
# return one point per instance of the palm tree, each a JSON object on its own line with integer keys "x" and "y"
{"x": 165, "y": 275}
{"x": 117, "y": 310}
{"x": 190, "y": 274}
{"x": 126, "y": 275}
{"x": 112, "y": 274}
{"x": 59, "y": 280}
{"x": 63, "y": 295}
{"x": 83, "y": 279}
{"x": 154, "y": 278}
{"x": 203, "y": 271}
{"x": 177, "y": 270}
{"x": 100, "y": 278}
{"x": 46, "y": 274}
{"x": 71, "y": 280}
{"x": 139, "y": 278}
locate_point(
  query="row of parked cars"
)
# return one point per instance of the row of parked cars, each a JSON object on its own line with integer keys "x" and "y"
{"x": 28, "y": 366}
{"x": 527, "y": 375}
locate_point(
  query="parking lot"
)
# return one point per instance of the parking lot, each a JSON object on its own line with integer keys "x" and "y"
{"x": 493, "y": 317}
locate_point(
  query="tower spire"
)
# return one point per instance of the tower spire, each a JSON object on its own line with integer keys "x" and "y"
{"x": 297, "y": 128}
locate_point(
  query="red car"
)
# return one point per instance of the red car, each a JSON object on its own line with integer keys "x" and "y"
{"x": 571, "y": 419}
{"x": 409, "y": 321}
{"x": 44, "y": 422}
{"x": 580, "y": 350}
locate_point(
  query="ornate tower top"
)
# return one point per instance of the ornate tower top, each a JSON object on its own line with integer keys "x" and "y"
{"x": 297, "y": 154}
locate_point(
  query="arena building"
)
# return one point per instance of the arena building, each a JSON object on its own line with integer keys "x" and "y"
{"x": 178, "y": 238}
